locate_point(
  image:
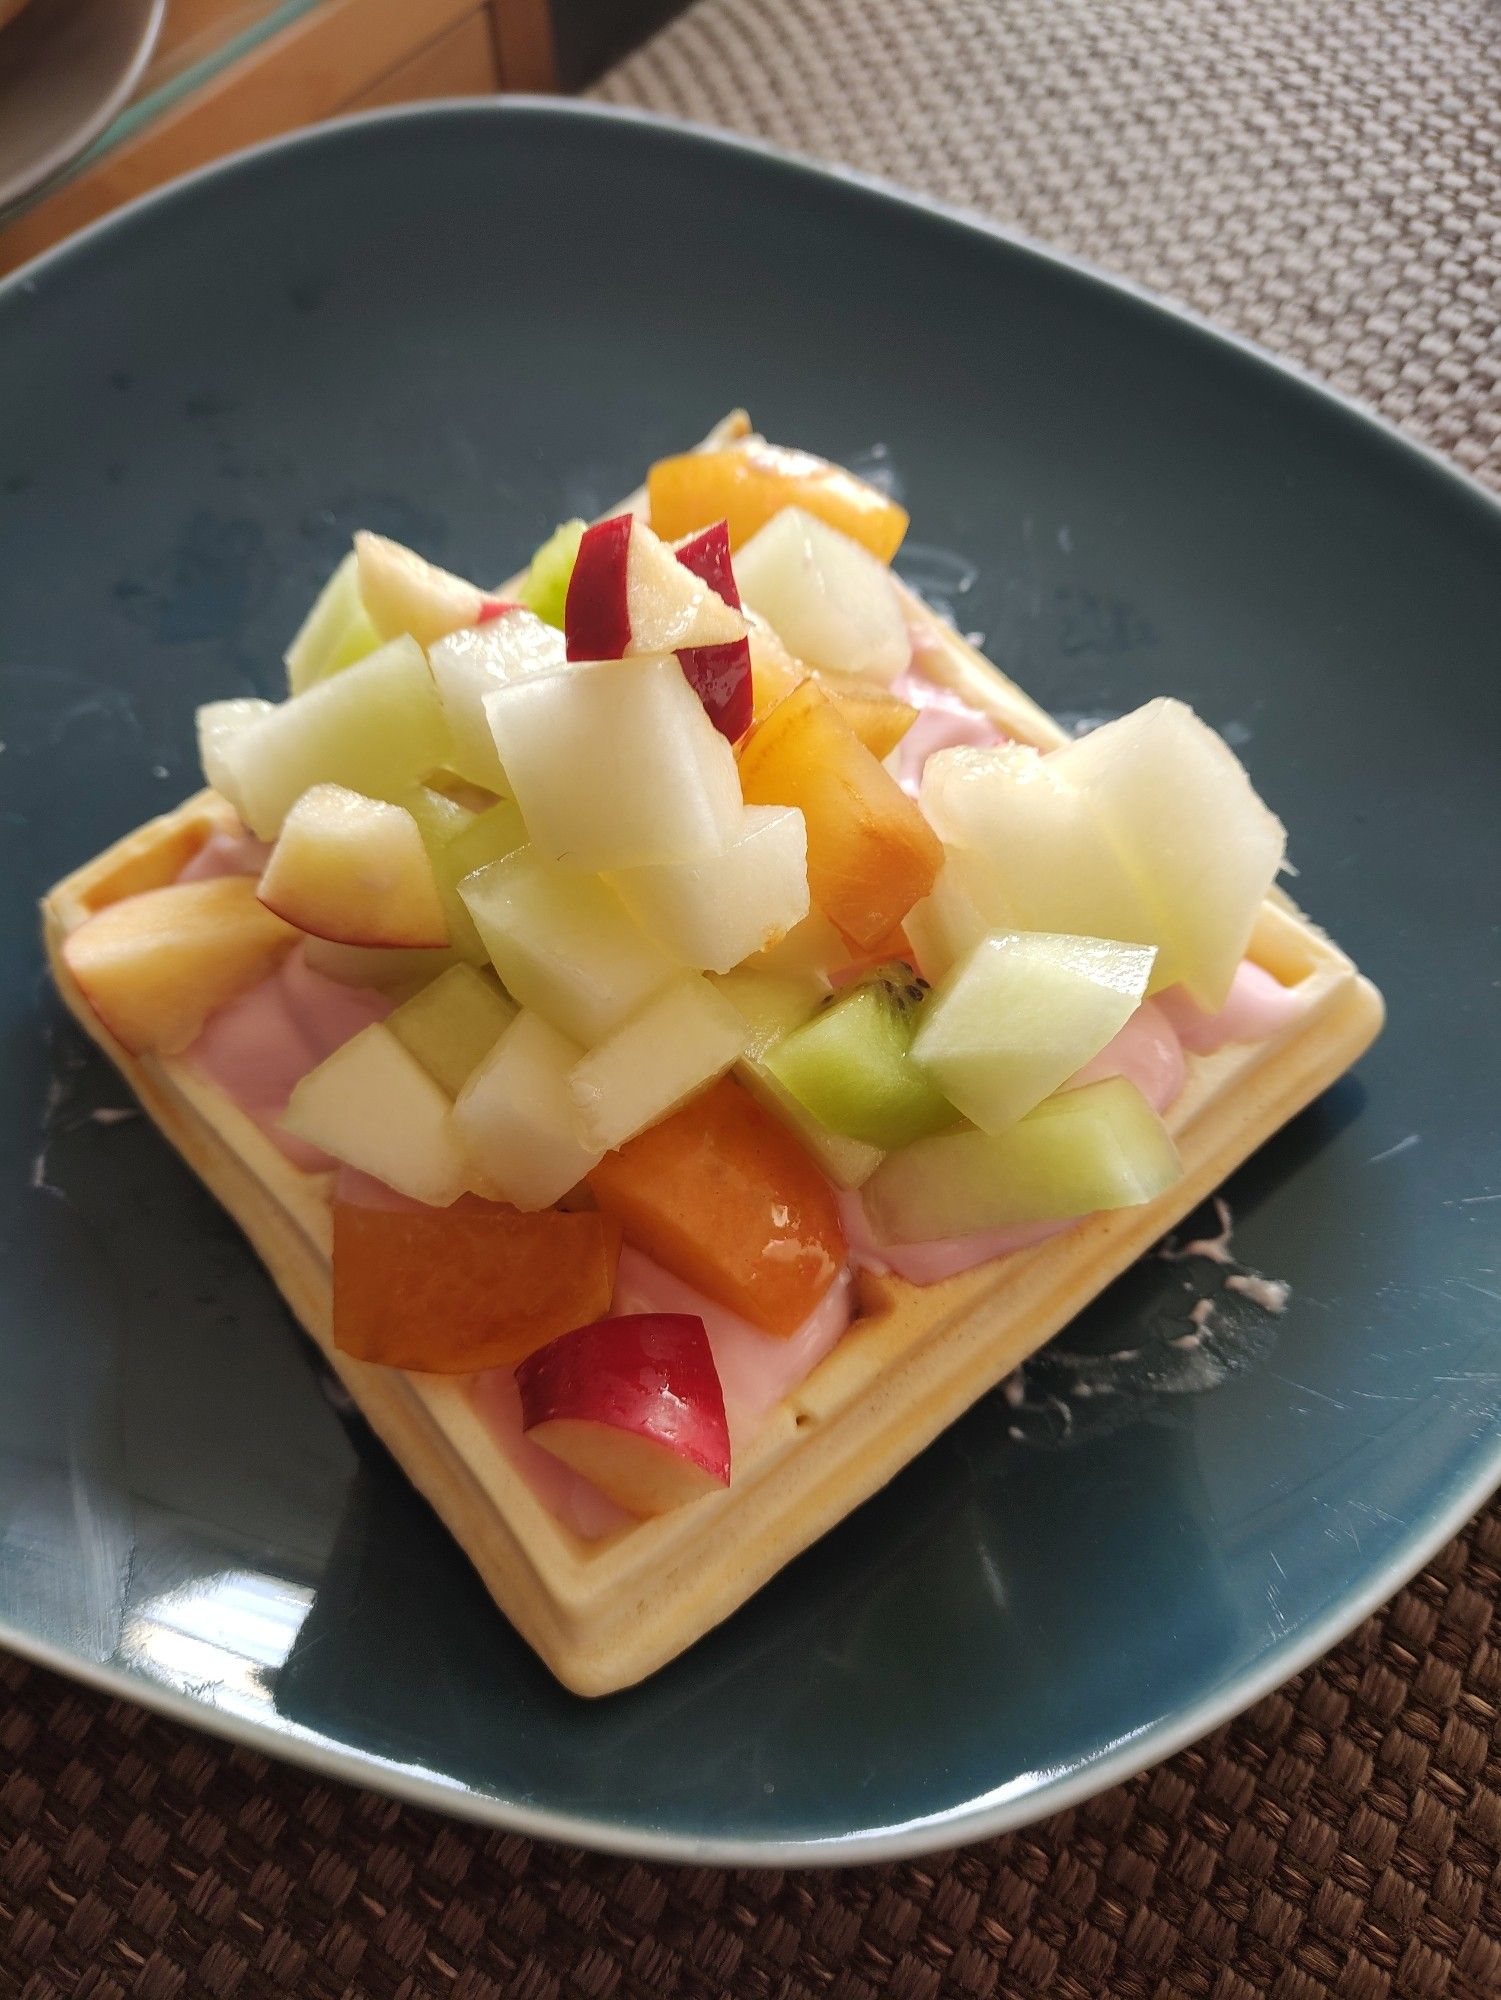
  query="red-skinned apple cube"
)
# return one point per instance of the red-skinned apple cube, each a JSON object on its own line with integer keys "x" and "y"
{"x": 719, "y": 675}
{"x": 635, "y": 1405}
{"x": 629, "y": 594}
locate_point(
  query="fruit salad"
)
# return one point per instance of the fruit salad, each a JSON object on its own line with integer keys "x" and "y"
{"x": 650, "y": 963}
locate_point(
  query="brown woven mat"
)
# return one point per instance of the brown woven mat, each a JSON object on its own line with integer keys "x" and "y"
{"x": 1327, "y": 179}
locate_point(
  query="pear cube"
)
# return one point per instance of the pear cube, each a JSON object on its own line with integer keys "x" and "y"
{"x": 373, "y": 1105}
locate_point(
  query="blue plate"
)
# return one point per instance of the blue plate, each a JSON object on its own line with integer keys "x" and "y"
{"x": 459, "y": 325}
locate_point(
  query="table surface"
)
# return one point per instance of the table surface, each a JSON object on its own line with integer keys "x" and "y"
{"x": 1328, "y": 182}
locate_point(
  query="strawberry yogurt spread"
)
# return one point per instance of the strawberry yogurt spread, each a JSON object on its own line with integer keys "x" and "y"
{"x": 261, "y": 1045}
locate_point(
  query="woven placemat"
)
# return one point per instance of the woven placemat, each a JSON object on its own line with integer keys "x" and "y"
{"x": 1326, "y": 179}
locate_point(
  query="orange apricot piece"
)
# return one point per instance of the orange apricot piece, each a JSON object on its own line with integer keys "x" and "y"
{"x": 746, "y": 485}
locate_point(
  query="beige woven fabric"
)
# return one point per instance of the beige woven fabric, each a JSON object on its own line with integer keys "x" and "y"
{"x": 1323, "y": 176}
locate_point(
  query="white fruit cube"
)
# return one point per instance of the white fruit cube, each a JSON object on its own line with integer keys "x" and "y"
{"x": 354, "y": 870}
{"x": 404, "y": 593}
{"x": 1099, "y": 1147}
{"x": 564, "y": 945}
{"x": 616, "y": 765}
{"x": 1021, "y": 1014}
{"x": 947, "y": 924}
{"x": 374, "y": 1106}
{"x": 715, "y": 911}
{"x": 335, "y": 633}
{"x": 474, "y": 662}
{"x": 1037, "y": 856}
{"x": 515, "y": 1116}
{"x": 667, "y": 605}
{"x": 827, "y": 599}
{"x": 219, "y": 723}
{"x": 1181, "y": 811}
{"x": 376, "y": 727}
{"x": 684, "y": 1038}
{"x": 452, "y": 1024}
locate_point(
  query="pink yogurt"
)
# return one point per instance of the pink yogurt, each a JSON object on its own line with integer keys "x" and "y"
{"x": 944, "y": 721}
{"x": 1257, "y": 1008}
{"x": 259, "y": 1047}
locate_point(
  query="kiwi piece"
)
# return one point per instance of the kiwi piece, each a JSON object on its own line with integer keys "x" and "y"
{"x": 851, "y": 1066}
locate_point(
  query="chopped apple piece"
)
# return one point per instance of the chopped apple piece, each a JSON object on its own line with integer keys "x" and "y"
{"x": 871, "y": 854}
{"x": 746, "y": 486}
{"x": 851, "y": 1067}
{"x": 545, "y": 590}
{"x": 684, "y": 1038}
{"x": 474, "y": 662}
{"x": 335, "y": 633}
{"x": 219, "y": 723}
{"x": 355, "y": 870}
{"x": 719, "y": 675}
{"x": 453, "y": 1023}
{"x": 812, "y": 949}
{"x": 1101, "y": 1146}
{"x": 375, "y": 728}
{"x": 373, "y": 1105}
{"x": 629, "y": 594}
{"x": 714, "y": 912}
{"x": 514, "y": 1116}
{"x": 1021, "y": 1014}
{"x": 154, "y": 966}
{"x": 404, "y": 593}
{"x": 634, "y": 1404}
{"x": 722, "y": 1195}
{"x": 616, "y": 765}
{"x": 827, "y": 599}
{"x": 564, "y": 945}
{"x": 1201, "y": 847}
{"x": 451, "y": 1291}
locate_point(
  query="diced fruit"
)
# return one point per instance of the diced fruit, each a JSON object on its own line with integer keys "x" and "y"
{"x": 812, "y": 949}
{"x": 879, "y": 718}
{"x": 714, "y": 912}
{"x": 453, "y": 1023}
{"x": 747, "y": 485}
{"x": 947, "y": 924}
{"x": 634, "y": 1404}
{"x": 1202, "y": 848}
{"x": 546, "y": 588}
{"x": 772, "y": 1004}
{"x": 355, "y": 870}
{"x": 490, "y": 836}
{"x": 154, "y": 966}
{"x": 497, "y": 607}
{"x": 394, "y": 971}
{"x": 1034, "y": 855}
{"x": 684, "y": 1038}
{"x": 442, "y": 821}
{"x": 474, "y": 662}
{"x": 375, "y": 728}
{"x": 719, "y": 675}
{"x": 373, "y": 1105}
{"x": 514, "y": 1116}
{"x": 629, "y": 594}
{"x": 1021, "y": 1014}
{"x": 774, "y": 672}
{"x": 848, "y": 1163}
{"x": 851, "y": 1066}
{"x": 616, "y": 765}
{"x": 451, "y": 1291}
{"x": 722, "y": 1195}
{"x": 564, "y": 945}
{"x": 219, "y": 723}
{"x": 871, "y": 854}
{"x": 1098, "y": 1147}
{"x": 335, "y": 633}
{"x": 404, "y": 593}
{"x": 827, "y": 599}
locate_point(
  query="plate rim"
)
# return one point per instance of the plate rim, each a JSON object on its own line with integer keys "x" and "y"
{"x": 1010, "y": 1806}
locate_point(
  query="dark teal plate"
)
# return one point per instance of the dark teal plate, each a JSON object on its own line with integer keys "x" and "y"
{"x": 459, "y": 325}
